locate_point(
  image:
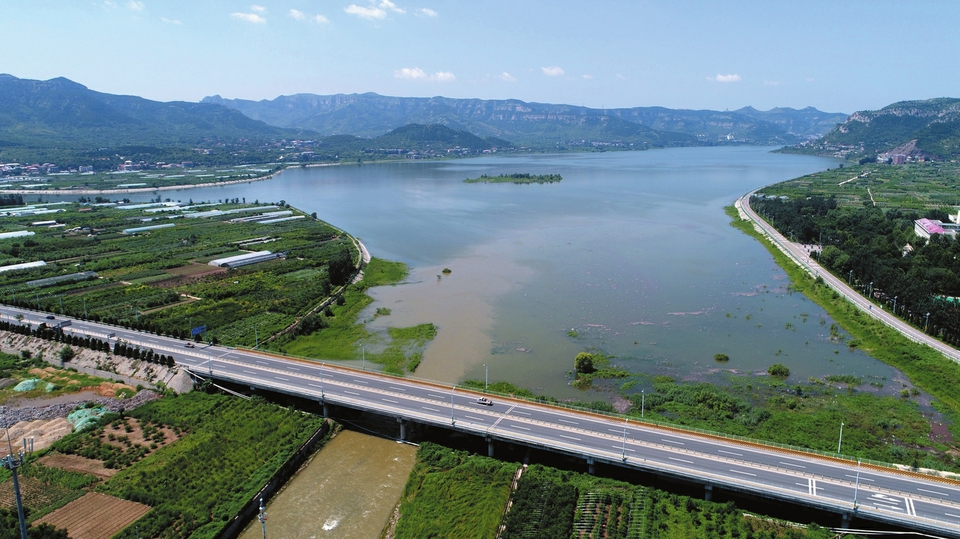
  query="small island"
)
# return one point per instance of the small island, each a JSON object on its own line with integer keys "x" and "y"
{"x": 516, "y": 178}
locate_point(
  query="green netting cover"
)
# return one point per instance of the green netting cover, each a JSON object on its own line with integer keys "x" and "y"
{"x": 28, "y": 385}
{"x": 82, "y": 418}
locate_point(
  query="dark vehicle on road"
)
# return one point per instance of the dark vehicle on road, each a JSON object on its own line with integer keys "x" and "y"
{"x": 50, "y": 317}
{"x": 189, "y": 345}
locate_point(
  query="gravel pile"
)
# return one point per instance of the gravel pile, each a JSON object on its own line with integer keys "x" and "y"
{"x": 11, "y": 416}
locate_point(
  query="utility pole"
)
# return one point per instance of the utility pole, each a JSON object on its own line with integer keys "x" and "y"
{"x": 12, "y": 464}
{"x": 452, "y": 420}
{"x": 926, "y": 323}
{"x": 642, "y": 403}
{"x": 486, "y": 377}
{"x": 856, "y": 489}
{"x": 839, "y": 442}
{"x": 895, "y": 305}
{"x": 623, "y": 452}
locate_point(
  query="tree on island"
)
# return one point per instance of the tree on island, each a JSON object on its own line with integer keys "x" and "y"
{"x": 583, "y": 364}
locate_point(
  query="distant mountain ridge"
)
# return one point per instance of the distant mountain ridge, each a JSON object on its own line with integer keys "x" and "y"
{"x": 371, "y": 114}
{"x": 34, "y": 112}
{"x": 923, "y": 128}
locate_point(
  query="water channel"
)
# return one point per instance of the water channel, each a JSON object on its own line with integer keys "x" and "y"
{"x": 631, "y": 253}
{"x": 348, "y": 489}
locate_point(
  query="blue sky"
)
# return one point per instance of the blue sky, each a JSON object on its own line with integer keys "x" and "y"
{"x": 838, "y": 56}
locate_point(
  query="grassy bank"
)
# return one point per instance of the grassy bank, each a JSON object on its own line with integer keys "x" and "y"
{"x": 398, "y": 350}
{"x": 926, "y": 368}
{"x": 453, "y": 494}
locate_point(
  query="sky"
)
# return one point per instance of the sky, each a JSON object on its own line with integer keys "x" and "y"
{"x": 837, "y": 56}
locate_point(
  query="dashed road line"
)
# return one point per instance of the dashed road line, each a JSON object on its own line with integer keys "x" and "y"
{"x": 672, "y": 441}
{"x": 730, "y": 453}
{"x": 389, "y": 400}
{"x": 681, "y": 460}
{"x": 794, "y": 465}
{"x": 351, "y": 392}
{"x": 932, "y": 492}
{"x": 569, "y": 437}
{"x": 429, "y": 408}
{"x": 744, "y": 473}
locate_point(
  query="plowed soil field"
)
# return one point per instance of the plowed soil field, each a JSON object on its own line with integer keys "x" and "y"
{"x": 95, "y": 516}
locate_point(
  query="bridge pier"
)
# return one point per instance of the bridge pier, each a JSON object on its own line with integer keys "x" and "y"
{"x": 846, "y": 519}
{"x": 403, "y": 428}
{"x": 326, "y": 409}
{"x": 708, "y": 492}
{"x": 590, "y": 466}
{"x": 489, "y": 447}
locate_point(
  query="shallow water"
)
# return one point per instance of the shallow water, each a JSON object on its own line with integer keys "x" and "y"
{"x": 347, "y": 491}
{"x": 631, "y": 252}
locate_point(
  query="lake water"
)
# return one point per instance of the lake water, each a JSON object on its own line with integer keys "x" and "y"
{"x": 631, "y": 251}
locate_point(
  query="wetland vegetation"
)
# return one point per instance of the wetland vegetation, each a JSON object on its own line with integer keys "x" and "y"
{"x": 517, "y": 178}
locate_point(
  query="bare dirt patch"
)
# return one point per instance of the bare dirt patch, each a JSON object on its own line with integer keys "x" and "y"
{"x": 188, "y": 274}
{"x": 43, "y": 432}
{"x": 76, "y": 463}
{"x": 95, "y": 516}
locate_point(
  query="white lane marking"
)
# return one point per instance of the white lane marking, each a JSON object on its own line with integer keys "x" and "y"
{"x": 436, "y": 396}
{"x": 519, "y": 427}
{"x": 261, "y": 362}
{"x": 429, "y": 408}
{"x": 397, "y": 388}
{"x": 794, "y": 465}
{"x": 730, "y": 452}
{"x": 933, "y": 492}
{"x": 891, "y": 507}
{"x": 351, "y": 392}
{"x": 621, "y": 448}
{"x": 389, "y": 400}
{"x": 952, "y": 515}
{"x": 292, "y": 368}
{"x": 569, "y": 437}
{"x": 744, "y": 473}
{"x": 314, "y": 385}
{"x": 672, "y": 441}
{"x": 911, "y": 510}
{"x": 680, "y": 460}
{"x": 281, "y": 378}
{"x": 521, "y": 413}
{"x": 570, "y": 422}
{"x": 249, "y": 372}
{"x": 474, "y": 418}
{"x": 812, "y": 487}
{"x": 361, "y": 381}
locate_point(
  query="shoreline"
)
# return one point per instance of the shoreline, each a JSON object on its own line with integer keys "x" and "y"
{"x": 59, "y": 192}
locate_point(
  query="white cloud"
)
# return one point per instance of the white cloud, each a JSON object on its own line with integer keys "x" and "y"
{"x": 135, "y": 5}
{"x": 301, "y": 16}
{"x": 552, "y": 71}
{"x": 170, "y": 21}
{"x": 369, "y": 13}
{"x": 507, "y": 77}
{"x": 390, "y": 6}
{"x": 320, "y": 19}
{"x": 248, "y": 17}
{"x": 587, "y": 77}
{"x": 409, "y": 73}
{"x": 415, "y": 73}
{"x": 726, "y": 78}
{"x": 297, "y": 14}
{"x": 258, "y": 9}
{"x": 427, "y": 12}
{"x": 621, "y": 77}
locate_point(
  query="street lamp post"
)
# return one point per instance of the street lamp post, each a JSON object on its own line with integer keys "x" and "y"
{"x": 840, "y": 441}
{"x": 871, "y": 290}
{"x": 926, "y": 323}
{"x": 623, "y": 452}
{"x": 856, "y": 489}
{"x": 486, "y": 377}
{"x": 321, "y": 379}
{"x": 642, "y": 402}
{"x": 850, "y": 277}
{"x": 895, "y": 305}
{"x": 452, "y": 420}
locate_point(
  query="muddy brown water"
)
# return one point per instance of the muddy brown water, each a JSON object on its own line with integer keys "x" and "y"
{"x": 346, "y": 491}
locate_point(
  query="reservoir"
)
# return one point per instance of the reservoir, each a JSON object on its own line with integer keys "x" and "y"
{"x": 631, "y": 254}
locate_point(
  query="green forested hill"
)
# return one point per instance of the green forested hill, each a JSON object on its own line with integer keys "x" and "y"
{"x": 928, "y": 128}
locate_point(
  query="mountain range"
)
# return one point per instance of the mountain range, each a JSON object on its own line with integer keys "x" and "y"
{"x": 927, "y": 128}
{"x": 536, "y": 124}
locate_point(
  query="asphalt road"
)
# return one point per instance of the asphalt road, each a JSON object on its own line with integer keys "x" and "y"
{"x": 802, "y": 257}
{"x": 907, "y": 499}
